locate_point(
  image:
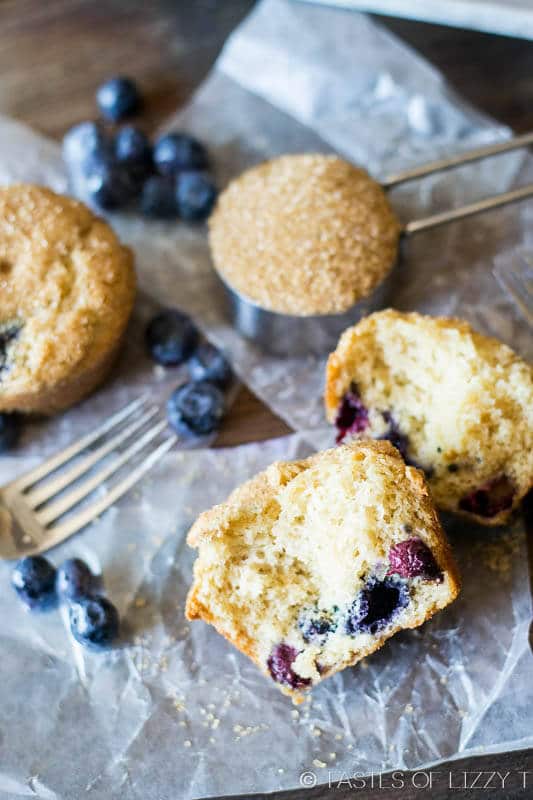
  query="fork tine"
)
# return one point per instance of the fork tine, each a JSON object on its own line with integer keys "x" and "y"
{"x": 38, "y": 496}
{"x": 515, "y": 285}
{"x": 63, "y": 504}
{"x": 44, "y": 469}
{"x": 60, "y": 532}
{"x": 523, "y": 276}
{"x": 528, "y": 258}
{"x": 516, "y": 291}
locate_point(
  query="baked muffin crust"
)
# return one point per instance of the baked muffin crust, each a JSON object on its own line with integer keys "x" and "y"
{"x": 287, "y": 563}
{"x": 67, "y": 288}
{"x": 304, "y": 234}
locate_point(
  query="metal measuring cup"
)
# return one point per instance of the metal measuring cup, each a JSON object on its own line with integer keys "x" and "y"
{"x": 291, "y": 335}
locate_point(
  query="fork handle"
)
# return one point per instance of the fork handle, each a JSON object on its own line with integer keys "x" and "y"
{"x": 435, "y": 220}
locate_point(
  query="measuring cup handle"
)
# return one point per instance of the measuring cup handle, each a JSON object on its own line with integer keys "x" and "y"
{"x": 436, "y": 220}
{"x": 457, "y": 160}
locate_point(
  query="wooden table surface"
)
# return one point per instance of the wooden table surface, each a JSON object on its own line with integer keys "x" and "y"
{"x": 53, "y": 53}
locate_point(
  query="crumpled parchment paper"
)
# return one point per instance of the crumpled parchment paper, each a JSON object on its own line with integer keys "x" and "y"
{"x": 175, "y": 711}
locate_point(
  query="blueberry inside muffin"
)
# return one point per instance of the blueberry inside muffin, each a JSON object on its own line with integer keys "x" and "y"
{"x": 456, "y": 404}
{"x": 314, "y": 564}
{"x": 9, "y": 332}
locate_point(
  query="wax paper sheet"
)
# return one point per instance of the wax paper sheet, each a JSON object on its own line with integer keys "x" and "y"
{"x": 175, "y": 711}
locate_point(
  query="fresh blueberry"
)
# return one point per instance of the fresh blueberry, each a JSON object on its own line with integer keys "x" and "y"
{"x": 9, "y": 431}
{"x": 280, "y": 664}
{"x": 175, "y": 152}
{"x": 133, "y": 151}
{"x": 352, "y": 416}
{"x": 171, "y": 337}
{"x": 94, "y": 621}
{"x": 413, "y": 558}
{"x": 195, "y": 195}
{"x": 34, "y": 581}
{"x": 316, "y": 626}
{"x": 376, "y": 605}
{"x": 74, "y": 579}
{"x": 196, "y": 408}
{"x": 84, "y": 142}
{"x": 158, "y": 198}
{"x": 118, "y": 98}
{"x": 490, "y": 499}
{"x": 108, "y": 185}
{"x": 207, "y": 363}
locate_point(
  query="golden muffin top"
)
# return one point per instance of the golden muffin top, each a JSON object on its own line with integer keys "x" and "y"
{"x": 67, "y": 287}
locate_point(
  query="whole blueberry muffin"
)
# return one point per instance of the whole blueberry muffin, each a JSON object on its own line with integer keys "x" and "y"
{"x": 312, "y": 565}
{"x": 455, "y": 403}
{"x": 304, "y": 234}
{"x": 67, "y": 288}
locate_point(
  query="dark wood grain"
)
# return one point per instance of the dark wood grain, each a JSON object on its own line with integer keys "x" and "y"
{"x": 53, "y": 53}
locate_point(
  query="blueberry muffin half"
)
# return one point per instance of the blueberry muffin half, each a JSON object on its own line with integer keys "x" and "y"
{"x": 312, "y": 565}
{"x": 455, "y": 403}
{"x": 67, "y": 288}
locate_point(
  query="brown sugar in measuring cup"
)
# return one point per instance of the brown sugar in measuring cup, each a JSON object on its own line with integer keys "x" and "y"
{"x": 304, "y": 235}
{"x": 305, "y": 245}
